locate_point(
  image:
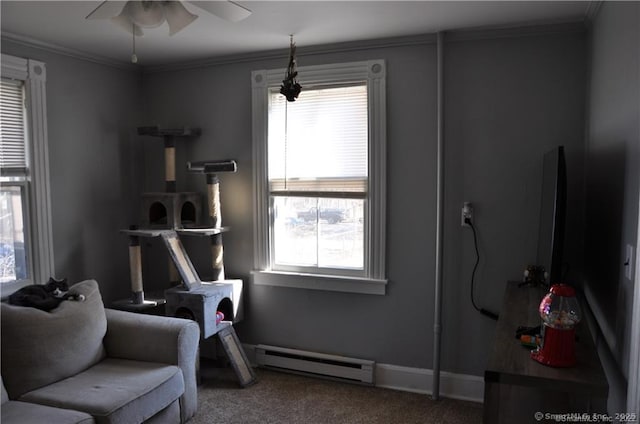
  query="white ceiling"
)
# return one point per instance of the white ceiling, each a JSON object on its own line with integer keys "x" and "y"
{"x": 62, "y": 24}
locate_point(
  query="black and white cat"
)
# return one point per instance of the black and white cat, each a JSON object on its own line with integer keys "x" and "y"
{"x": 44, "y": 296}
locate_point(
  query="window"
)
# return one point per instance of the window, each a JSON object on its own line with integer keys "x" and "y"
{"x": 320, "y": 178}
{"x": 14, "y": 177}
{"x": 25, "y": 230}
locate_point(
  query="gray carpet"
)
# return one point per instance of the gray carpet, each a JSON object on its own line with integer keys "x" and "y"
{"x": 292, "y": 399}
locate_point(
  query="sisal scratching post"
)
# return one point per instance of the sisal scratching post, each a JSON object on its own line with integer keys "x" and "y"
{"x": 217, "y": 257}
{"x": 169, "y": 136}
{"x": 135, "y": 267}
{"x": 213, "y": 190}
{"x": 170, "y": 164}
{"x": 210, "y": 169}
{"x": 215, "y": 215}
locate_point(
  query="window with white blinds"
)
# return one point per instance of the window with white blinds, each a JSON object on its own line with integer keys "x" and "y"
{"x": 319, "y": 143}
{"x": 12, "y": 128}
{"x": 319, "y": 178}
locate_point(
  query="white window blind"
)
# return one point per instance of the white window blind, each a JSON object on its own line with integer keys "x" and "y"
{"x": 12, "y": 128}
{"x": 318, "y": 144}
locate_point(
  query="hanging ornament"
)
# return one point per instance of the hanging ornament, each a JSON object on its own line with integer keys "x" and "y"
{"x": 290, "y": 87}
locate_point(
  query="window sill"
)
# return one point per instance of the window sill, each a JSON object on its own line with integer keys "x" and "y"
{"x": 319, "y": 282}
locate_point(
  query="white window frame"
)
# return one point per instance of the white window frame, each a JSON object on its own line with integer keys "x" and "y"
{"x": 374, "y": 279}
{"x": 39, "y": 229}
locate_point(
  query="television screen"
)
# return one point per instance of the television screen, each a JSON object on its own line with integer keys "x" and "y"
{"x": 552, "y": 215}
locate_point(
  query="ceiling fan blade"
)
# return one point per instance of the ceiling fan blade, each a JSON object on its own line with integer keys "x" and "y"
{"x": 106, "y": 10}
{"x": 177, "y": 16}
{"x": 226, "y": 10}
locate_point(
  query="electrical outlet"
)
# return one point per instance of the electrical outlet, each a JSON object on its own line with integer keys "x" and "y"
{"x": 467, "y": 213}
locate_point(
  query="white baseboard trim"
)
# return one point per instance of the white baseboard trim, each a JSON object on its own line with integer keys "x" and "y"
{"x": 420, "y": 380}
{"x": 417, "y": 380}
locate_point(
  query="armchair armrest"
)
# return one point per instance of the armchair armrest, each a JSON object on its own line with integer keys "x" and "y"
{"x": 157, "y": 339}
{"x": 150, "y": 338}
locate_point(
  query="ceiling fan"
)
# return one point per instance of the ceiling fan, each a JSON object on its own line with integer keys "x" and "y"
{"x": 133, "y": 15}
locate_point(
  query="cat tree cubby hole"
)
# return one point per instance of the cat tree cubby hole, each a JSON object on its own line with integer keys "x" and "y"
{"x": 171, "y": 210}
{"x": 225, "y": 306}
{"x": 158, "y": 214}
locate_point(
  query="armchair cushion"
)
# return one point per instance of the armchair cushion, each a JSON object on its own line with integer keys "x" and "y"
{"x": 39, "y": 348}
{"x": 28, "y": 413}
{"x": 115, "y": 391}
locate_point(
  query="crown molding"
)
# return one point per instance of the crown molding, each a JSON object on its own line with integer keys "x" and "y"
{"x": 65, "y": 51}
{"x": 522, "y": 30}
{"x": 301, "y": 51}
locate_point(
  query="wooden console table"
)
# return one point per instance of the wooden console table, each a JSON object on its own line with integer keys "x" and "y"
{"x": 517, "y": 387}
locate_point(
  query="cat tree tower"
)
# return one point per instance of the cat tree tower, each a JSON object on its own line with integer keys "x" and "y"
{"x": 215, "y": 304}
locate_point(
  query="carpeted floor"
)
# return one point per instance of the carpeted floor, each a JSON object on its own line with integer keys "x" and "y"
{"x": 280, "y": 398}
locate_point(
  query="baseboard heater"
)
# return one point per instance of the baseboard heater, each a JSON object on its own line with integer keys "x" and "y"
{"x": 317, "y": 364}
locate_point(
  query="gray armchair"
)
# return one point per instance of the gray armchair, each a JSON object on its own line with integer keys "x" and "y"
{"x": 89, "y": 364}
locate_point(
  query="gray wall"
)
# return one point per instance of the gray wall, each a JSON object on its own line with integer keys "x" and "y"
{"x": 612, "y": 182}
{"x": 508, "y": 100}
{"x": 92, "y": 112}
{"x": 389, "y": 329}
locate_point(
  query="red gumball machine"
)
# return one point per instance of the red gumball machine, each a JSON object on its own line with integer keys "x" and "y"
{"x": 560, "y": 313}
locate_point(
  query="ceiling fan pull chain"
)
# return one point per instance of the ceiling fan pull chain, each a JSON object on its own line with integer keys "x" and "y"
{"x": 134, "y": 58}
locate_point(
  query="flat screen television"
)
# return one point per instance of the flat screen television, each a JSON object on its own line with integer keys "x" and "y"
{"x": 553, "y": 209}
